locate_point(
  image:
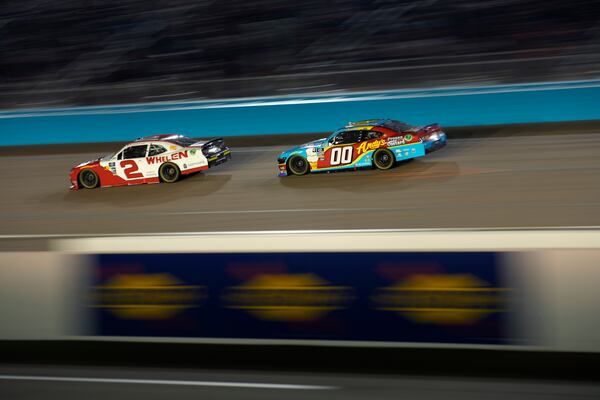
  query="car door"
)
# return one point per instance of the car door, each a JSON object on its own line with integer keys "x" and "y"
{"x": 131, "y": 163}
{"x": 156, "y": 156}
{"x": 341, "y": 150}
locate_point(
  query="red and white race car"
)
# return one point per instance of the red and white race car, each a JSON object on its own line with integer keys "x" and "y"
{"x": 152, "y": 159}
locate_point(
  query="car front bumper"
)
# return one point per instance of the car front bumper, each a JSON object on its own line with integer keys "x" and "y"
{"x": 282, "y": 169}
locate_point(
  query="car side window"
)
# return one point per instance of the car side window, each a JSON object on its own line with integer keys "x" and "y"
{"x": 120, "y": 156}
{"x": 135, "y": 151}
{"x": 364, "y": 135}
{"x": 353, "y": 137}
{"x": 337, "y": 139}
{"x": 373, "y": 135}
{"x": 156, "y": 149}
{"x": 347, "y": 137}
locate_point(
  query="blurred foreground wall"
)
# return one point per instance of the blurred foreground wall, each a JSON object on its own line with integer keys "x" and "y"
{"x": 527, "y": 298}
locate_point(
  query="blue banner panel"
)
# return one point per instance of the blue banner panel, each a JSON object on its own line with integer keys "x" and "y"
{"x": 453, "y": 297}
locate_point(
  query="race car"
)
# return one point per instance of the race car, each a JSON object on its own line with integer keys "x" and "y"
{"x": 378, "y": 143}
{"x": 151, "y": 159}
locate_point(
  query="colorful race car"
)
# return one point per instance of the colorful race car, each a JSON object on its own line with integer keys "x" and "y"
{"x": 378, "y": 143}
{"x": 152, "y": 159}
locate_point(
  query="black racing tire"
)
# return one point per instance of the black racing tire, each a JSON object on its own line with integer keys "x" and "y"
{"x": 383, "y": 159}
{"x": 88, "y": 179}
{"x": 297, "y": 165}
{"x": 169, "y": 172}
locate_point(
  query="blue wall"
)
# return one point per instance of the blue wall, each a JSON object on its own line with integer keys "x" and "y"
{"x": 459, "y": 106}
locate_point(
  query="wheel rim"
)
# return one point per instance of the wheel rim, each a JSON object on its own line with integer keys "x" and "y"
{"x": 298, "y": 165}
{"x": 169, "y": 172}
{"x": 88, "y": 179}
{"x": 383, "y": 159}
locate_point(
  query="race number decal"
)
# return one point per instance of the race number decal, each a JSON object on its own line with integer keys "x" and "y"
{"x": 341, "y": 155}
{"x": 130, "y": 169}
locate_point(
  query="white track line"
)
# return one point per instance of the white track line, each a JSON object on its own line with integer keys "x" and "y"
{"x": 299, "y": 232}
{"x": 247, "y": 385}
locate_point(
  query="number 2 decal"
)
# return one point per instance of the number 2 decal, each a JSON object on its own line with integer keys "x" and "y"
{"x": 341, "y": 155}
{"x": 130, "y": 168}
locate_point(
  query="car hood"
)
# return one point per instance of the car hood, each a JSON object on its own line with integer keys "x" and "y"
{"x": 90, "y": 162}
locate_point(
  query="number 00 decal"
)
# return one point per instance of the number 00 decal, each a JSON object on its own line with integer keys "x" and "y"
{"x": 130, "y": 168}
{"x": 341, "y": 155}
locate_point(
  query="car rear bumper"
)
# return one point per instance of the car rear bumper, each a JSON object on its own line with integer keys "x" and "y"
{"x": 219, "y": 158}
{"x": 435, "y": 142}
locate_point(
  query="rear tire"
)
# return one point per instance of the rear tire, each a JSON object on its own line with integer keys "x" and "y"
{"x": 383, "y": 159}
{"x": 88, "y": 179}
{"x": 297, "y": 165}
{"x": 169, "y": 172}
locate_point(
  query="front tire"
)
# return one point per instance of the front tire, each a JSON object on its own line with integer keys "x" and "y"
{"x": 297, "y": 165}
{"x": 169, "y": 172}
{"x": 383, "y": 159}
{"x": 88, "y": 179}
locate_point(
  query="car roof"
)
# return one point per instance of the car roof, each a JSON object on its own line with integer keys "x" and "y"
{"x": 155, "y": 138}
{"x": 367, "y": 122}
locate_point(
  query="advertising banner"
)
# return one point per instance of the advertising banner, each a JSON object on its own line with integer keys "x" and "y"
{"x": 443, "y": 297}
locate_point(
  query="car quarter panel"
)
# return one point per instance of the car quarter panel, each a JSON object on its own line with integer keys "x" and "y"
{"x": 187, "y": 159}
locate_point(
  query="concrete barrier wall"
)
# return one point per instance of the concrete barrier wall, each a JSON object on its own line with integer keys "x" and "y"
{"x": 541, "y": 295}
{"x": 450, "y": 106}
{"x": 41, "y": 295}
{"x": 561, "y": 300}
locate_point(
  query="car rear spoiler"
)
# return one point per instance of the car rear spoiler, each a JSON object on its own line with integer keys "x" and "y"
{"x": 219, "y": 143}
{"x": 427, "y": 129}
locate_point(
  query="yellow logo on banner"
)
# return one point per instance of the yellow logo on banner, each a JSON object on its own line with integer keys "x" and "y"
{"x": 368, "y": 146}
{"x": 287, "y": 297}
{"x": 441, "y": 299}
{"x": 146, "y": 296}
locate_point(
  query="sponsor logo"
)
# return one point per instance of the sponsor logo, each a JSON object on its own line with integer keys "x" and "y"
{"x": 146, "y": 296}
{"x": 320, "y": 153}
{"x": 193, "y": 151}
{"x": 161, "y": 159}
{"x": 444, "y": 299}
{"x": 287, "y": 297}
{"x": 408, "y": 137}
{"x": 370, "y": 145}
{"x": 395, "y": 141}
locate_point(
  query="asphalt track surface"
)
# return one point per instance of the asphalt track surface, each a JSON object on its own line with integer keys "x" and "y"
{"x": 516, "y": 181}
{"x": 64, "y": 383}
